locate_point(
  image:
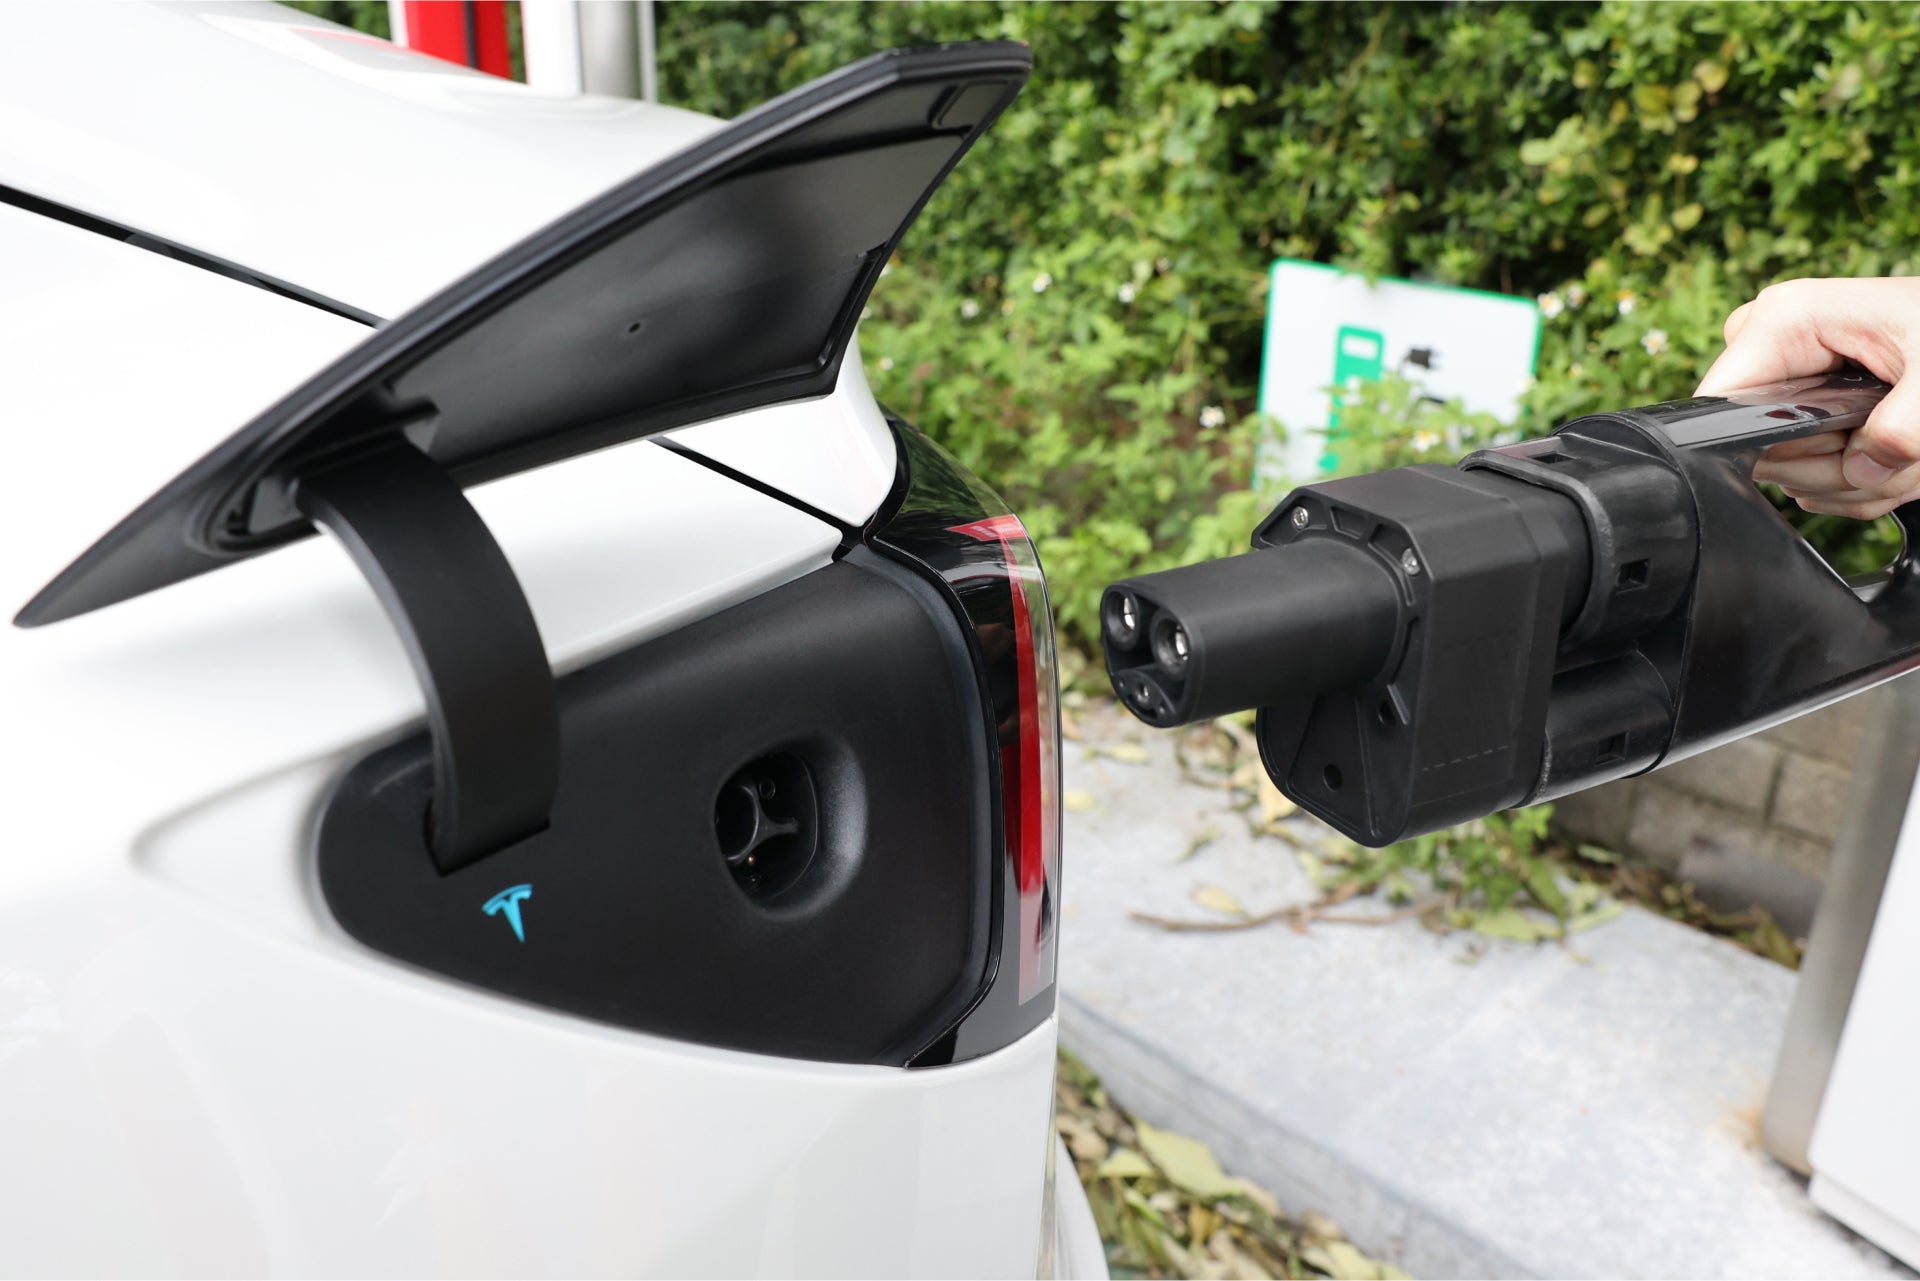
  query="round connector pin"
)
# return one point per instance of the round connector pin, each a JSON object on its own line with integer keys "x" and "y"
{"x": 1120, "y": 615}
{"x": 1171, "y": 648}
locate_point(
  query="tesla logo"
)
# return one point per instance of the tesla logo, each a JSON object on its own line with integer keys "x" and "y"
{"x": 507, "y": 903}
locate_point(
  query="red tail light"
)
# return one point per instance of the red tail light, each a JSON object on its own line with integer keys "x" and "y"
{"x": 1030, "y": 753}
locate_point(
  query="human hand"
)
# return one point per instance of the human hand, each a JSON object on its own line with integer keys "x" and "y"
{"x": 1806, "y": 327}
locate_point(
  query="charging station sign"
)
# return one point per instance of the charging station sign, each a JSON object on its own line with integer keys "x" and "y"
{"x": 1329, "y": 330}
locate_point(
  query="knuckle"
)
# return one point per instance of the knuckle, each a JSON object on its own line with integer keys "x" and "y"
{"x": 1787, "y": 295}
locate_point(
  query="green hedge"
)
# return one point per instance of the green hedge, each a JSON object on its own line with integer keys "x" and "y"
{"x": 1082, "y": 304}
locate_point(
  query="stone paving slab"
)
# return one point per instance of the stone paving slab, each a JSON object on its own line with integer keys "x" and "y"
{"x": 1508, "y": 1111}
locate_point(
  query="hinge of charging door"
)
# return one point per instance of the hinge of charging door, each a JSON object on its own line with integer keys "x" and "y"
{"x": 469, "y": 633}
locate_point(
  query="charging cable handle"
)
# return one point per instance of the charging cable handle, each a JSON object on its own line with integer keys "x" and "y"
{"x": 1428, "y": 645}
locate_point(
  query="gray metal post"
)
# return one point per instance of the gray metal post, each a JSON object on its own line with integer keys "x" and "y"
{"x": 1883, "y": 780}
{"x": 609, "y": 42}
{"x": 649, "y": 59}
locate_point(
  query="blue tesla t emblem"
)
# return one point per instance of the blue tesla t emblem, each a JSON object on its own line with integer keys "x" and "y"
{"x": 507, "y": 903}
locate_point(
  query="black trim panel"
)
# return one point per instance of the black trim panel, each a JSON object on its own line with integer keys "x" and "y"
{"x": 631, "y": 913}
{"x": 938, "y": 495}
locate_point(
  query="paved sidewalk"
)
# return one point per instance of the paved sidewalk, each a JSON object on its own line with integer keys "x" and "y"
{"x": 1522, "y": 1113}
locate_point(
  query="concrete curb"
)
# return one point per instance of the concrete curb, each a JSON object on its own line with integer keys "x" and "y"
{"x": 1460, "y": 1106}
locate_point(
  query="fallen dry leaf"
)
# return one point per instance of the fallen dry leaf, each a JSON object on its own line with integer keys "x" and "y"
{"x": 1274, "y": 806}
{"x": 1188, "y": 1163}
{"x": 1215, "y": 899}
{"x": 1125, "y": 753}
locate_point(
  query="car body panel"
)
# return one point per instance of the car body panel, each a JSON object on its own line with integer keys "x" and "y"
{"x": 834, "y": 453}
{"x": 237, "y": 1089}
{"x": 191, "y": 1049}
{"x": 313, "y": 154}
{"x": 122, "y": 367}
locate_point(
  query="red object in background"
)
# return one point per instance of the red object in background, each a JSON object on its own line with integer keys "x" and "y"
{"x": 472, "y": 33}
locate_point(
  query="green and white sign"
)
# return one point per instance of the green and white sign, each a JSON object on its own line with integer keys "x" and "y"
{"x": 1328, "y": 328}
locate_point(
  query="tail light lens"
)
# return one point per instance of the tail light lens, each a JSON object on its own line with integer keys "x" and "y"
{"x": 1029, "y": 736}
{"x": 949, "y": 524}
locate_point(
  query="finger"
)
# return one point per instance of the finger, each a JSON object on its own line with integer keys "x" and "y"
{"x": 1889, "y": 443}
{"x": 1820, "y": 475}
{"x": 1812, "y": 478}
{"x": 1867, "y": 509}
{"x": 1831, "y": 495}
{"x": 1827, "y": 442}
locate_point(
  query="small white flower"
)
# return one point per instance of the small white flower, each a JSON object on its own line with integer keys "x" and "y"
{"x": 1576, "y": 295}
{"x": 866, "y": 313}
{"x": 1163, "y": 265}
{"x": 1527, "y": 384}
{"x": 1627, "y": 302}
{"x": 1125, "y": 293}
{"x": 1042, "y": 282}
{"x": 1655, "y": 342}
{"x": 1550, "y": 305}
{"x": 1425, "y": 440}
{"x": 1212, "y": 416}
{"x": 969, "y": 309}
{"x": 886, "y": 362}
{"x": 886, "y": 267}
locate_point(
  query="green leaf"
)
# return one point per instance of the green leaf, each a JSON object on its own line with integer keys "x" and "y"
{"x": 1510, "y": 923}
{"x": 1652, "y": 100}
{"x": 1188, "y": 1163}
{"x": 1125, "y": 1163}
{"x": 1712, "y": 76}
{"x": 1344, "y": 1261}
{"x": 1545, "y": 887}
{"x": 1599, "y": 914}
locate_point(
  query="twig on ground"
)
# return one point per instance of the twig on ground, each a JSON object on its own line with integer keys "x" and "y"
{"x": 1300, "y": 915}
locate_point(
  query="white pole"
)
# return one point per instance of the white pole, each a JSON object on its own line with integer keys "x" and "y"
{"x": 550, "y": 32}
{"x": 397, "y": 22}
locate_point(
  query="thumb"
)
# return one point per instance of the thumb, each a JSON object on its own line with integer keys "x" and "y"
{"x": 1890, "y": 440}
{"x": 1736, "y": 322}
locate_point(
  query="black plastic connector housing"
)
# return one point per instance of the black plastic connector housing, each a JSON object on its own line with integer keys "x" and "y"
{"x": 1428, "y": 645}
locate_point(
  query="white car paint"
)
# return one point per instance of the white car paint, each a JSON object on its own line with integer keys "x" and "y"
{"x": 316, "y": 155}
{"x": 199, "y": 1072}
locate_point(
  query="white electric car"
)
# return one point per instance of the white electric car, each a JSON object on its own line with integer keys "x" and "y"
{"x": 628, "y": 841}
